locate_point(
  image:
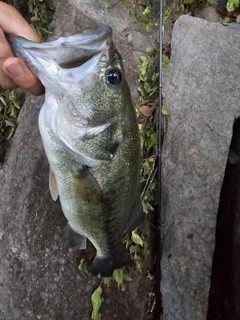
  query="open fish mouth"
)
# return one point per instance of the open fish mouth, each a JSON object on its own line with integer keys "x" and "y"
{"x": 67, "y": 52}
{"x": 71, "y": 59}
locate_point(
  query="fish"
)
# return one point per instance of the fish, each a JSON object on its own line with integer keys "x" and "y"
{"x": 90, "y": 134}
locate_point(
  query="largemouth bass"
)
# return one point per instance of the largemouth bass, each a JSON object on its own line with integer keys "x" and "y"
{"x": 90, "y": 135}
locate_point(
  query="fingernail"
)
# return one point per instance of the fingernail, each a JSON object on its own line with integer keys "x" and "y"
{"x": 16, "y": 71}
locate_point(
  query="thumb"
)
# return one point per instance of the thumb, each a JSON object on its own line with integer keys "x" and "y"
{"x": 17, "y": 70}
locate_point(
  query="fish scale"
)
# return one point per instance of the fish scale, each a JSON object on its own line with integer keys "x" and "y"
{"x": 90, "y": 134}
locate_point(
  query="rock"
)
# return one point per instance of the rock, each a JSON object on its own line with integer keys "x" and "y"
{"x": 39, "y": 276}
{"x": 201, "y": 90}
{"x": 209, "y": 13}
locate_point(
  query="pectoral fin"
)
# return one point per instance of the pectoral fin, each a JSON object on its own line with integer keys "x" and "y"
{"x": 87, "y": 187}
{"x": 53, "y": 185}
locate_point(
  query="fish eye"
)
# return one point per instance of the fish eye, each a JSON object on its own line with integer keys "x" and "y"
{"x": 114, "y": 77}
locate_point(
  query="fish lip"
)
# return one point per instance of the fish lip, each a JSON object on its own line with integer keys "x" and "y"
{"x": 91, "y": 36}
{"x": 101, "y": 34}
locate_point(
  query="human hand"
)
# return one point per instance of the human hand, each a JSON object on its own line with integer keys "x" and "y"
{"x": 13, "y": 71}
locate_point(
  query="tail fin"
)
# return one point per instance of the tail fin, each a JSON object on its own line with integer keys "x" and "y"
{"x": 106, "y": 266}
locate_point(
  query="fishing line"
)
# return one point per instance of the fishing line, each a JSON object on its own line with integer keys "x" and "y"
{"x": 159, "y": 166}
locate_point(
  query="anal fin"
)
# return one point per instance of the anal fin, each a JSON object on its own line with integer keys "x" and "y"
{"x": 75, "y": 239}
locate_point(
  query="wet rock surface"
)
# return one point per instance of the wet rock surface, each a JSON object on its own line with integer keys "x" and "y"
{"x": 201, "y": 90}
{"x": 39, "y": 278}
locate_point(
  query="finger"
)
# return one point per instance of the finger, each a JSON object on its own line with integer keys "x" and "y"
{"x": 11, "y": 21}
{"x": 14, "y": 72}
{"x": 5, "y": 52}
{"x": 17, "y": 70}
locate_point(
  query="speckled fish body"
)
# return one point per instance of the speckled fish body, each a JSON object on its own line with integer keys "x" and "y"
{"x": 90, "y": 135}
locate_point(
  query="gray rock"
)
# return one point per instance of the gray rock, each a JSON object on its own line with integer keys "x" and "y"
{"x": 201, "y": 90}
{"x": 39, "y": 278}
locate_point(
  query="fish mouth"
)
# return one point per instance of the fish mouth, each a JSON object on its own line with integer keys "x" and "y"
{"x": 78, "y": 59}
{"x": 84, "y": 56}
{"x": 84, "y": 46}
{"x": 67, "y": 52}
